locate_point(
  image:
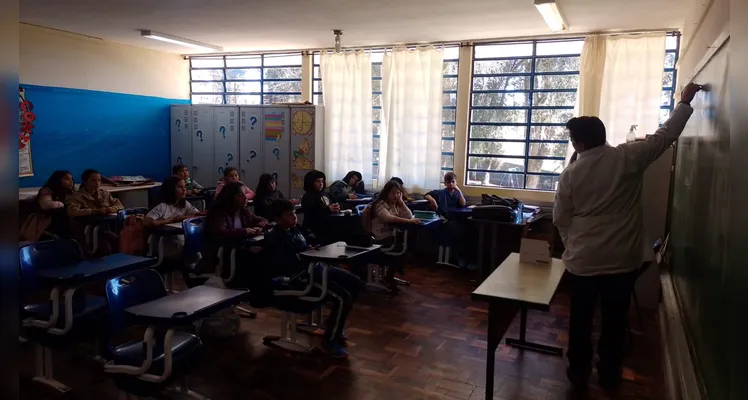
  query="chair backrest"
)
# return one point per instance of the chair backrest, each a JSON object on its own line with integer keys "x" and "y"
{"x": 39, "y": 256}
{"x": 130, "y": 290}
{"x": 360, "y": 208}
{"x": 123, "y": 214}
{"x": 194, "y": 238}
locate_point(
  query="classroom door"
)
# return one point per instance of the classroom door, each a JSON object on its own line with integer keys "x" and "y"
{"x": 203, "y": 146}
{"x": 250, "y": 144}
{"x": 302, "y": 147}
{"x": 181, "y": 136}
{"x": 276, "y": 146}
{"x": 226, "y": 138}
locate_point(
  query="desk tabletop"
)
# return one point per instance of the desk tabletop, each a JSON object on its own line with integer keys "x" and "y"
{"x": 30, "y": 192}
{"x": 522, "y": 282}
{"x": 187, "y": 306}
{"x": 338, "y": 251}
{"x": 360, "y": 200}
{"x": 96, "y": 268}
{"x": 460, "y": 210}
{"x": 175, "y": 228}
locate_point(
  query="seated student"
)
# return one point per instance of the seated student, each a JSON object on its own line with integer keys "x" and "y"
{"x": 316, "y": 205}
{"x": 283, "y": 245}
{"x": 450, "y": 197}
{"x": 404, "y": 192}
{"x": 228, "y": 220}
{"x": 182, "y": 172}
{"x": 345, "y": 189}
{"x": 360, "y": 188}
{"x": 49, "y": 216}
{"x": 92, "y": 200}
{"x": 172, "y": 208}
{"x": 382, "y": 216}
{"x": 265, "y": 194}
{"x": 231, "y": 174}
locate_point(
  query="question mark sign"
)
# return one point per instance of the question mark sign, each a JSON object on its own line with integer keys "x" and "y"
{"x": 252, "y": 154}
{"x": 220, "y": 170}
{"x": 222, "y": 129}
{"x": 179, "y": 160}
{"x": 200, "y": 135}
{"x": 178, "y": 123}
{"x": 275, "y": 176}
{"x": 276, "y": 152}
{"x": 229, "y": 158}
{"x": 253, "y": 119}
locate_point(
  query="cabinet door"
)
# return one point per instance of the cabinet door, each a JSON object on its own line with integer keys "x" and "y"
{"x": 181, "y": 136}
{"x": 250, "y": 144}
{"x": 203, "y": 146}
{"x": 276, "y": 159}
{"x": 302, "y": 147}
{"x": 225, "y": 122}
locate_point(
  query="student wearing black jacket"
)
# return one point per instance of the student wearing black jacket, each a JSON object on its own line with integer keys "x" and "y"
{"x": 346, "y": 188}
{"x": 282, "y": 247}
{"x": 316, "y": 205}
{"x": 265, "y": 194}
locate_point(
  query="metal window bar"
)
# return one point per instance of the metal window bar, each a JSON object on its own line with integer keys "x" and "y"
{"x": 262, "y": 68}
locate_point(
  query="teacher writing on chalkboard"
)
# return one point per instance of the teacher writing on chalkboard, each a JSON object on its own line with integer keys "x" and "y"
{"x": 598, "y": 215}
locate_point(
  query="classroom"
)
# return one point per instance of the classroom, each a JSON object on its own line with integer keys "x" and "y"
{"x": 484, "y": 199}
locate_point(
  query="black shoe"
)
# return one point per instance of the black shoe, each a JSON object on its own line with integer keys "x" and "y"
{"x": 609, "y": 383}
{"x": 608, "y": 380}
{"x": 578, "y": 379}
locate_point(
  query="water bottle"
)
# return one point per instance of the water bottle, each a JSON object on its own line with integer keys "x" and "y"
{"x": 631, "y": 136}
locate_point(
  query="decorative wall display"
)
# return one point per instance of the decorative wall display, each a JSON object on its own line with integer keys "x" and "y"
{"x": 26, "y": 117}
{"x": 274, "y": 126}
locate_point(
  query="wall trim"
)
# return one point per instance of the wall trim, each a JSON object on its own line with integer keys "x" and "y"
{"x": 682, "y": 379}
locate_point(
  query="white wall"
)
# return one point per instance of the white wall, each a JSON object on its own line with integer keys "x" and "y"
{"x": 707, "y": 19}
{"x": 53, "y": 58}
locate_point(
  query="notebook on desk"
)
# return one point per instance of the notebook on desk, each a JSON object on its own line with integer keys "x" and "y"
{"x": 126, "y": 180}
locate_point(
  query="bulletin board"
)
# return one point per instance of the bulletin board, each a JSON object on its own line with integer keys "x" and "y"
{"x": 26, "y": 117}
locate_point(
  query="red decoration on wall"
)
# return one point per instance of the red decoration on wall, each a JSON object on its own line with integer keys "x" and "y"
{"x": 27, "y": 118}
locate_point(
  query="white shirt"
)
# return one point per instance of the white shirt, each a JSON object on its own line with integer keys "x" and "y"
{"x": 597, "y": 208}
{"x": 168, "y": 211}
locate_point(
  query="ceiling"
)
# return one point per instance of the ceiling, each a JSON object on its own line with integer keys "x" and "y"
{"x": 252, "y": 25}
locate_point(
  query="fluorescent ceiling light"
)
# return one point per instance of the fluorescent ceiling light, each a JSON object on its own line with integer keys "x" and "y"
{"x": 180, "y": 41}
{"x": 549, "y": 10}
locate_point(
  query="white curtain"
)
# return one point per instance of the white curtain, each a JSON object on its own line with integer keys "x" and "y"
{"x": 620, "y": 81}
{"x": 346, "y": 87}
{"x": 410, "y": 134}
{"x": 632, "y": 85}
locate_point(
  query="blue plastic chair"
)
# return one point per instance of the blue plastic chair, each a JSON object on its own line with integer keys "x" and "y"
{"x": 133, "y": 370}
{"x": 48, "y": 324}
{"x": 360, "y": 209}
{"x": 194, "y": 244}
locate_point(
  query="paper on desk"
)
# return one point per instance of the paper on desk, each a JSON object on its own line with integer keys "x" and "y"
{"x": 534, "y": 251}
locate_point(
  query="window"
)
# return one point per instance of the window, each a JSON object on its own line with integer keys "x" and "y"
{"x": 250, "y": 79}
{"x": 522, "y": 94}
{"x": 449, "y": 101}
{"x": 672, "y": 44}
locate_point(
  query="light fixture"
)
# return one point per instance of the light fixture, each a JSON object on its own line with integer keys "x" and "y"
{"x": 552, "y": 16}
{"x": 180, "y": 41}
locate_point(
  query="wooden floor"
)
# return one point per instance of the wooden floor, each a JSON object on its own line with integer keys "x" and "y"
{"x": 428, "y": 342}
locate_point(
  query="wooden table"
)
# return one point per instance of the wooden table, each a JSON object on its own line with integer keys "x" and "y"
{"x": 516, "y": 286}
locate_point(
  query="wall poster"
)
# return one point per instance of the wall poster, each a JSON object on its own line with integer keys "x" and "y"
{"x": 27, "y": 118}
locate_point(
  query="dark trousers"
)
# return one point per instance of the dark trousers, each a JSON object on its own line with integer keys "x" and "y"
{"x": 342, "y": 291}
{"x": 614, "y": 292}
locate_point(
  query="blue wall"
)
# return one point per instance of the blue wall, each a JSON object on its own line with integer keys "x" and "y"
{"x": 114, "y": 133}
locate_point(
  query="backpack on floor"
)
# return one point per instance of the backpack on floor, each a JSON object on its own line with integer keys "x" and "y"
{"x": 133, "y": 238}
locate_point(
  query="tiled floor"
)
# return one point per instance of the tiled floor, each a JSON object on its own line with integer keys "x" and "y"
{"x": 428, "y": 342}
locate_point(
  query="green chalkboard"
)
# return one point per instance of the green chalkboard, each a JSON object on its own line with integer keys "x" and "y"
{"x": 700, "y": 224}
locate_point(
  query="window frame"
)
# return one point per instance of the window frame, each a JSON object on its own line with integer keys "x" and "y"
{"x": 262, "y": 67}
